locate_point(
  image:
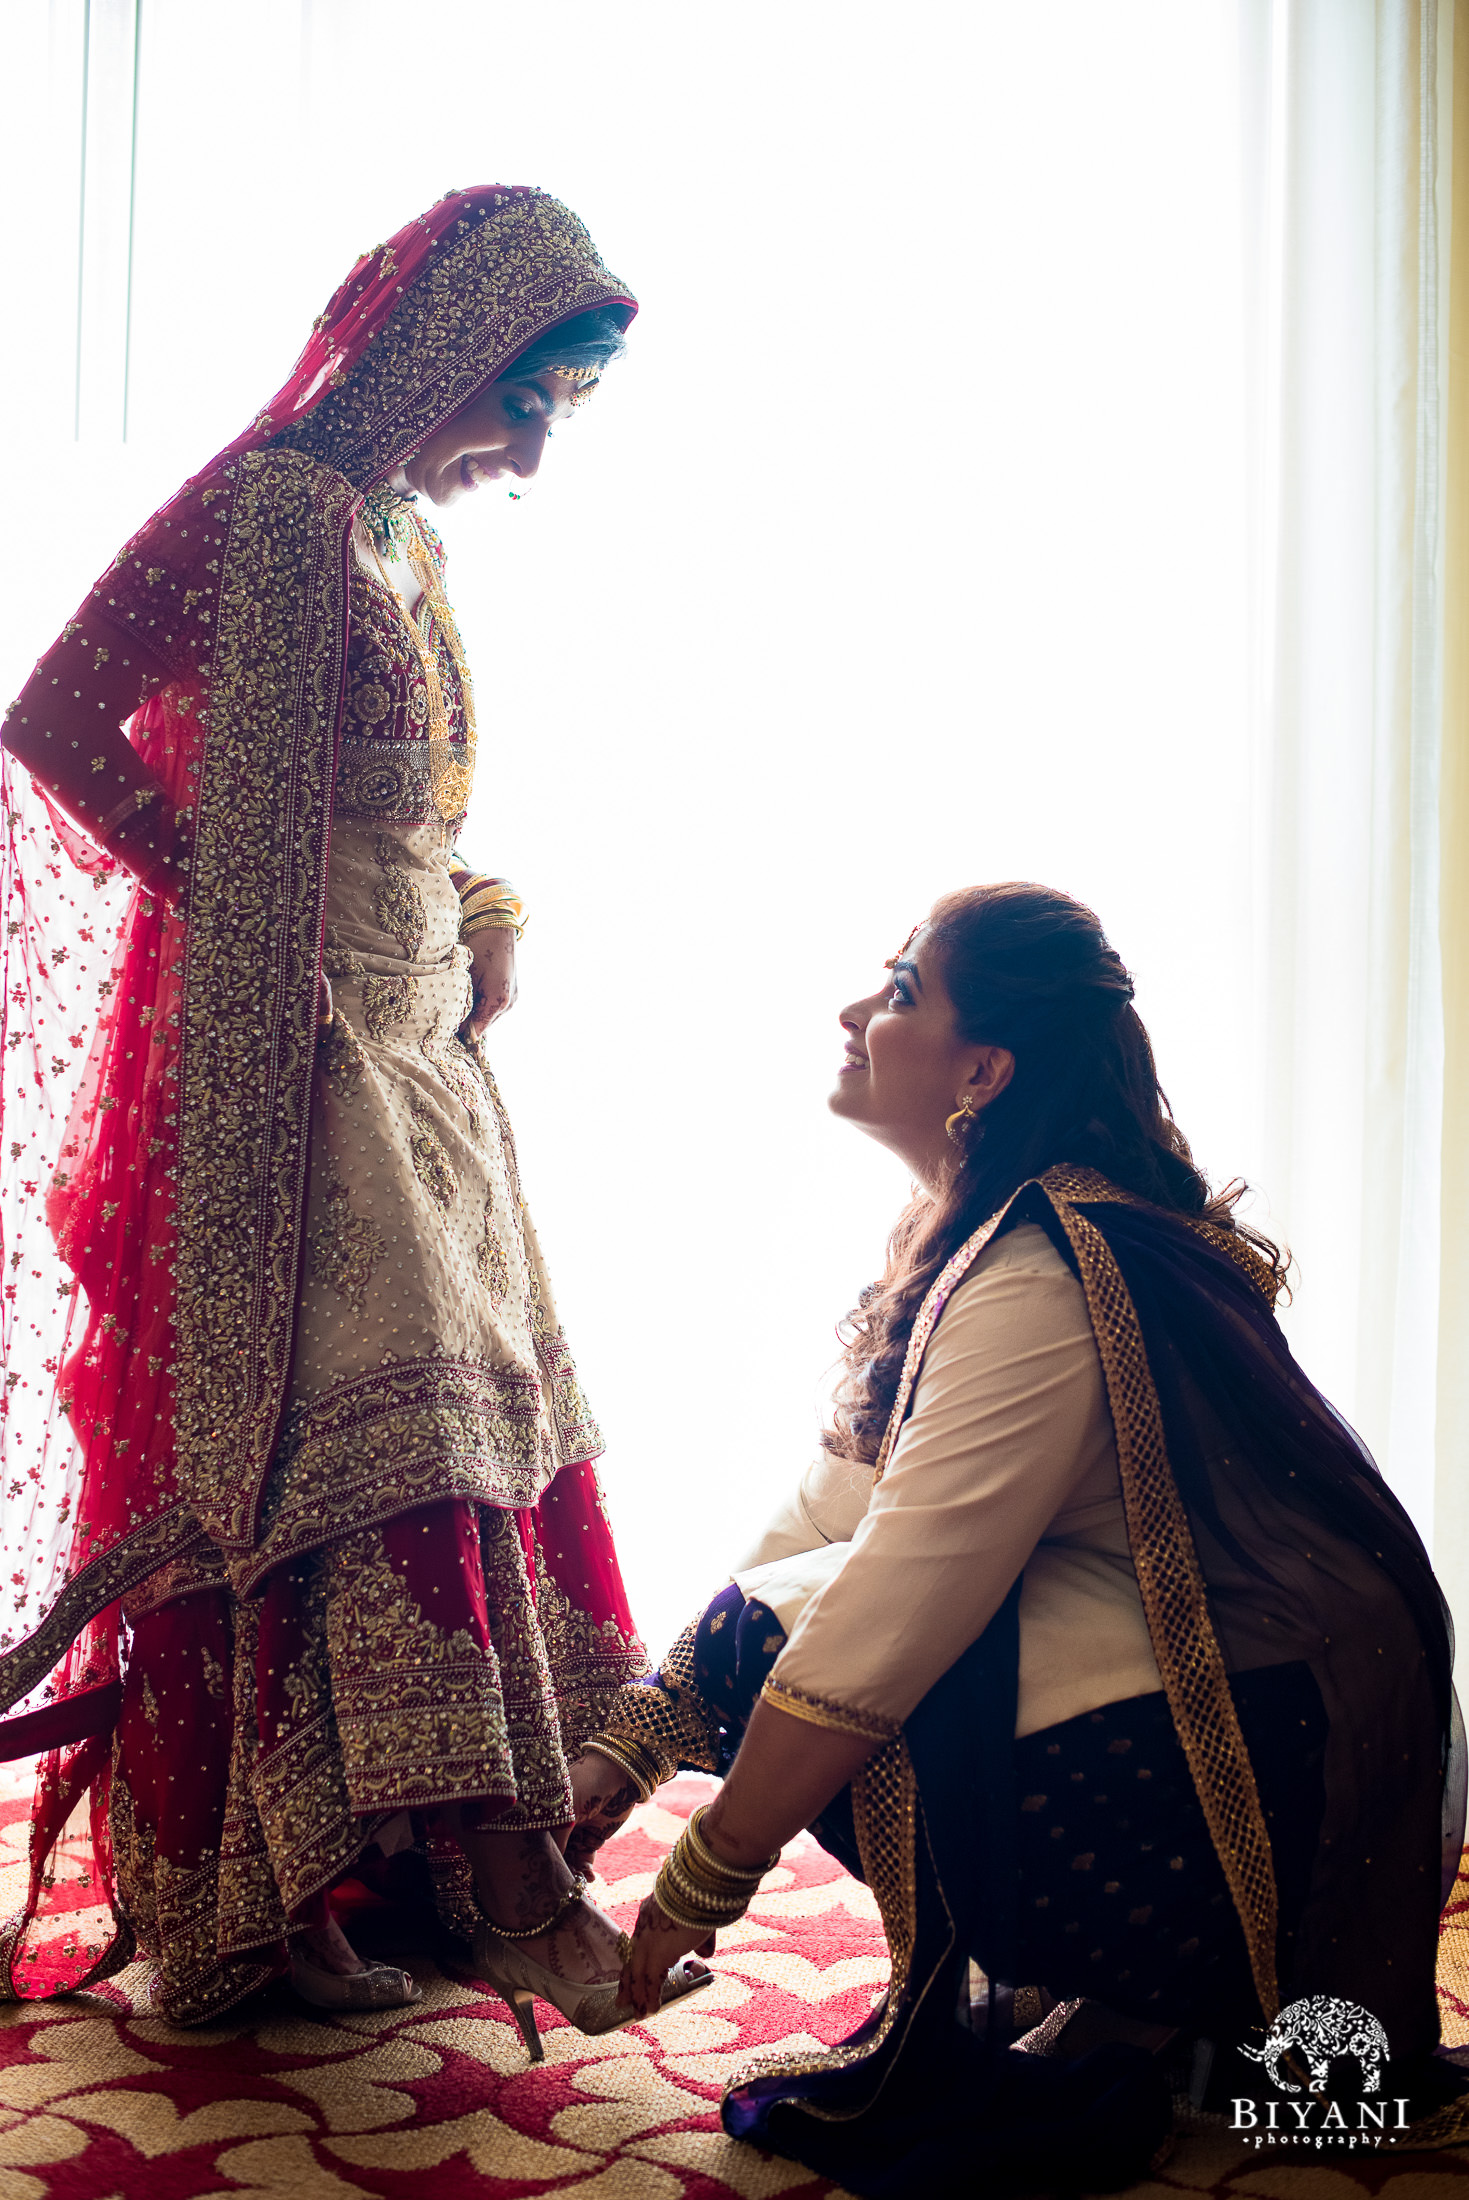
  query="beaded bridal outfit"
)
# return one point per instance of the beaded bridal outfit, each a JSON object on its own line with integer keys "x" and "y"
{"x": 302, "y": 1532}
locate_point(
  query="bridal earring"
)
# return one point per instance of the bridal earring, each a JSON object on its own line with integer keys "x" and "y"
{"x": 958, "y": 1123}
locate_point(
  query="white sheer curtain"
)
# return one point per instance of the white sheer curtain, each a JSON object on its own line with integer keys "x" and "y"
{"x": 1025, "y": 466}
{"x": 1349, "y": 131}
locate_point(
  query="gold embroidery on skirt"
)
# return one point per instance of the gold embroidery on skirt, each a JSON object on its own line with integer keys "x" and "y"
{"x": 342, "y": 1058}
{"x": 490, "y": 1261}
{"x": 213, "y": 1672}
{"x": 338, "y": 960}
{"x": 386, "y": 1002}
{"x": 345, "y": 1247}
{"x": 398, "y": 904}
{"x": 431, "y": 1163}
{"x": 460, "y": 1072}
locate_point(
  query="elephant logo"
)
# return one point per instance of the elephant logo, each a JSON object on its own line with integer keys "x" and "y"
{"x": 1321, "y": 2027}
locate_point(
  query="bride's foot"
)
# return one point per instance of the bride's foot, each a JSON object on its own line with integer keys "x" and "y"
{"x": 589, "y": 2001}
{"x": 574, "y": 1960}
{"x": 328, "y": 1973}
{"x": 327, "y": 1948}
{"x": 583, "y": 1946}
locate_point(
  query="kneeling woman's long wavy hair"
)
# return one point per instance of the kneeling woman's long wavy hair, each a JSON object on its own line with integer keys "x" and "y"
{"x": 1030, "y": 970}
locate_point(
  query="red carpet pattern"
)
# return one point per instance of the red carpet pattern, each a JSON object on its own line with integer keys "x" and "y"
{"x": 100, "y": 2101}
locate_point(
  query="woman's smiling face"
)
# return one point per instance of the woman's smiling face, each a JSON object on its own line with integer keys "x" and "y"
{"x": 500, "y": 433}
{"x": 906, "y": 1067}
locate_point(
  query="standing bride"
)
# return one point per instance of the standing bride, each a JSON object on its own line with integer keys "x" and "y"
{"x": 301, "y": 1519}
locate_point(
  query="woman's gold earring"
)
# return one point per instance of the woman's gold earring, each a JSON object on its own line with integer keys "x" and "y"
{"x": 958, "y": 1123}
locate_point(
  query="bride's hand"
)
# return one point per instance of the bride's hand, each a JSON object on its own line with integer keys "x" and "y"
{"x": 656, "y": 1943}
{"x": 492, "y": 972}
{"x": 602, "y": 1795}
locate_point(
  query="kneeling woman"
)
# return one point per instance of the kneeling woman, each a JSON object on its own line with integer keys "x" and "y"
{"x": 1093, "y": 1639}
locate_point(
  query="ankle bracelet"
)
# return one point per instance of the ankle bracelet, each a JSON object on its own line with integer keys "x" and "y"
{"x": 568, "y": 1901}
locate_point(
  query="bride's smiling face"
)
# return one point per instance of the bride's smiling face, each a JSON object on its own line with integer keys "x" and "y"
{"x": 501, "y": 433}
{"x": 906, "y": 1067}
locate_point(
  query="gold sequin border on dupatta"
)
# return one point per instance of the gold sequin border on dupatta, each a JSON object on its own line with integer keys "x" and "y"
{"x": 115, "y": 1574}
{"x": 1169, "y": 1577}
{"x": 256, "y": 900}
{"x": 885, "y": 1817}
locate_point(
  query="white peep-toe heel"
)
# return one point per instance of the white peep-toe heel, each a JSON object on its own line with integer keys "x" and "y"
{"x": 376, "y": 1986}
{"x": 592, "y": 2008}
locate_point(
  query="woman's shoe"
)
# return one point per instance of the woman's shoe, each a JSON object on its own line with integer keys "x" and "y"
{"x": 379, "y": 1986}
{"x": 591, "y": 2008}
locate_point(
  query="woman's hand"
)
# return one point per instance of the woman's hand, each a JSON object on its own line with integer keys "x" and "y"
{"x": 154, "y": 843}
{"x": 656, "y": 1943}
{"x": 602, "y": 1795}
{"x": 492, "y": 970}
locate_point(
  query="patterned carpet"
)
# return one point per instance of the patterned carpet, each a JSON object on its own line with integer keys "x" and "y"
{"x": 99, "y": 2101}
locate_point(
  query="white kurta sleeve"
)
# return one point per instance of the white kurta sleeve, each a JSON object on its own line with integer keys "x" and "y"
{"x": 1009, "y": 1418}
{"x": 826, "y": 1508}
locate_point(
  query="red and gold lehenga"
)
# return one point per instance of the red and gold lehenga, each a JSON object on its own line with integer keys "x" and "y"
{"x": 302, "y": 1533}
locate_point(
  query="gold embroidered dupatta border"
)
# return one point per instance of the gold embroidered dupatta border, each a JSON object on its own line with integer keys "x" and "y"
{"x": 257, "y": 899}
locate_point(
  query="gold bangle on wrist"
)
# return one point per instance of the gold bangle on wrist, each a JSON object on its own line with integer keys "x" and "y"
{"x": 641, "y": 1767}
{"x": 487, "y": 920}
{"x": 698, "y": 1890}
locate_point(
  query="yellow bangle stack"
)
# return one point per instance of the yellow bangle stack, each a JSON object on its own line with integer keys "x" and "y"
{"x": 700, "y": 1892}
{"x": 487, "y": 904}
{"x": 640, "y": 1765}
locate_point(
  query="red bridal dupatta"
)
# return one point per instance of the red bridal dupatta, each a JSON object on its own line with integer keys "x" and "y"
{"x": 158, "y": 1063}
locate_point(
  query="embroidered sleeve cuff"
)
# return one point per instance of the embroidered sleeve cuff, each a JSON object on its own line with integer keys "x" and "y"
{"x": 666, "y": 1719}
{"x": 839, "y": 1718}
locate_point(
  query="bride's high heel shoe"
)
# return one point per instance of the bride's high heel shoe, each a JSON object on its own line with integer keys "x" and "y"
{"x": 592, "y": 2008}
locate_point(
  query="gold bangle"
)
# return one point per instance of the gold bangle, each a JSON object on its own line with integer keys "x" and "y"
{"x": 697, "y": 1889}
{"x": 713, "y": 1866}
{"x": 684, "y": 1904}
{"x": 638, "y": 1763}
{"x": 499, "y": 920}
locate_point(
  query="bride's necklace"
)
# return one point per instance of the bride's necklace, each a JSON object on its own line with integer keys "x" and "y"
{"x": 388, "y": 519}
{"x": 450, "y": 782}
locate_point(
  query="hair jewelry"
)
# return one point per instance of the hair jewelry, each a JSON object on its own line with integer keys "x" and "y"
{"x": 585, "y": 378}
